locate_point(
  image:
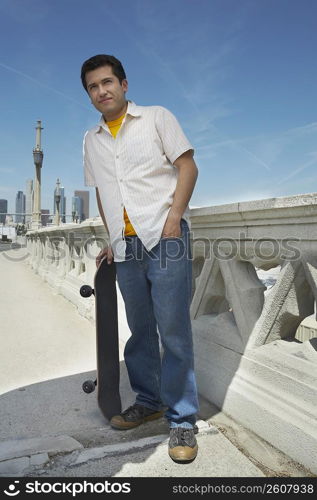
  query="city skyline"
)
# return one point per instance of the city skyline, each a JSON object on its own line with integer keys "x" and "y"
{"x": 29, "y": 204}
{"x": 23, "y": 209}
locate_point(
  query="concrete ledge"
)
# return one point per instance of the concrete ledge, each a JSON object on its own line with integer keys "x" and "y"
{"x": 17, "y": 448}
{"x": 18, "y": 466}
{"x": 148, "y": 457}
{"x": 270, "y": 390}
{"x": 126, "y": 447}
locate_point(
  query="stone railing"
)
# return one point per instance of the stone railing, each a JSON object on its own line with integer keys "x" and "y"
{"x": 248, "y": 356}
{"x": 65, "y": 257}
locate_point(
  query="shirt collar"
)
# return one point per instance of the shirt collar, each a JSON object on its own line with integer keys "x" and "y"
{"x": 132, "y": 110}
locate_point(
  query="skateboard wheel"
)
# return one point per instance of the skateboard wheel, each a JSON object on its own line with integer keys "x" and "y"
{"x": 86, "y": 291}
{"x": 89, "y": 386}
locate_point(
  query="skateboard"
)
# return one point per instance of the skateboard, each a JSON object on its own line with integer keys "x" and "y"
{"x": 107, "y": 342}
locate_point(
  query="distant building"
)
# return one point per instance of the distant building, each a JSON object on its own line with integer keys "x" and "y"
{"x": 84, "y": 195}
{"x": 77, "y": 209}
{"x": 3, "y": 210}
{"x": 28, "y": 200}
{"x": 20, "y": 207}
{"x": 45, "y": 216}
{"x": 62, "y": 205}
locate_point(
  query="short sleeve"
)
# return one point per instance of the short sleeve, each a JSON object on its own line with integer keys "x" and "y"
{"x": 174, "y": 141}
{"x": 88, "y": 170}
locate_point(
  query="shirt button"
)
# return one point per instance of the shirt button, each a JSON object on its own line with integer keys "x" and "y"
{"x": 117, "y": 156}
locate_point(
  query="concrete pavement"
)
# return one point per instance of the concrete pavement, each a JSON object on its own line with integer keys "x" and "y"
{"x": 55, "y": 429}
{"x": 42, "y": 335}
{"x": 50, "y": 427}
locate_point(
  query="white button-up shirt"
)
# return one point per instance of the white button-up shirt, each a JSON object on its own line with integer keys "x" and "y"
{"x": 135, "y": 170}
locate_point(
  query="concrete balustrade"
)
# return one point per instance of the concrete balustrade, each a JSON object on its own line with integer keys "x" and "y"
{"x": 65, "y": 257}
{"x": 248, "y": 357}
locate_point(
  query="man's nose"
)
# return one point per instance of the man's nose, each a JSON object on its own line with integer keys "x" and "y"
{"x": 102, "y": 90}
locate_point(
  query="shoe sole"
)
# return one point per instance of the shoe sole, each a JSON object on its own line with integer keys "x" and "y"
{"x": 124, "y": 426}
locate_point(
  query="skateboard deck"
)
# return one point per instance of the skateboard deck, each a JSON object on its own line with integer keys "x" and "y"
{"x": 107, "y": 341}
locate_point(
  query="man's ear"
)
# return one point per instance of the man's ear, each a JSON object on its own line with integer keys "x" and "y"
{"x": 124, "y": 85}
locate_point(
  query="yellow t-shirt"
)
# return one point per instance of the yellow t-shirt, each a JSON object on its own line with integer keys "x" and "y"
{"x": 114, "y": 127}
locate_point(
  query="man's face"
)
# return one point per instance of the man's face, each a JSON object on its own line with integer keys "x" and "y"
{"x": 107, "y": 94}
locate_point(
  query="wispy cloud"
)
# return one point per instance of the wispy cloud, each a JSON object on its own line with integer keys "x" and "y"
{"x": 269, "y": 149}
{"x": 276, "y": 145}
{"x": 302, "y": 130}
{"x": 43, "y": 85}
{"x": 272, "y": 147}
{"x": 274, "y": 140}
{"x": 296, "y": 171}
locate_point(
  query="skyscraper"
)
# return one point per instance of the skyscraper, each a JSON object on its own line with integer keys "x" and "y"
{"x": 28, "y": 200}
{"x": 62, "y": 205}
{"x": 77, "y": 209}
{"x": 20, "y": 207}
{"x": 3, "y": 210}
{"x": 84, "y": 195}
{"x": 45, "y": 216}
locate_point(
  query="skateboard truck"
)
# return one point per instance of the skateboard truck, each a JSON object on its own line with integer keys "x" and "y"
{"x": 89, "y": 385}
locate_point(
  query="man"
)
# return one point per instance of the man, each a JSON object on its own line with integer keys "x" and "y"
{"x": 142, "y": 166}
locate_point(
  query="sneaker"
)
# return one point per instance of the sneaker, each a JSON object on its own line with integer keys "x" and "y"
{"x": 135, "y": 415}
{"x": 182, "y": 446}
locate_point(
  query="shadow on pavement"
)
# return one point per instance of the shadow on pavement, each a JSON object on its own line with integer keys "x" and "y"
{"x": 60, "y": 407}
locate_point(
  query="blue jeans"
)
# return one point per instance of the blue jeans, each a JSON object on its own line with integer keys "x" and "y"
{"x": 156, "y": 289}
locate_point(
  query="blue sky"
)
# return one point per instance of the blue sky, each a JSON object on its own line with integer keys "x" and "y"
{"x": 240, "y": 75}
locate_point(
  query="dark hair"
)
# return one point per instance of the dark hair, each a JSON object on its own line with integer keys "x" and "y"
{"x": 99, "y": 61}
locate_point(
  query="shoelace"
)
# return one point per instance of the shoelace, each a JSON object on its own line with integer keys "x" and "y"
{"x": 182, "y": 434}
{"x": 133, "y": 411}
